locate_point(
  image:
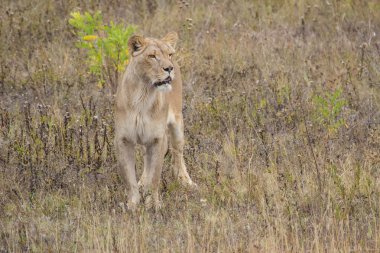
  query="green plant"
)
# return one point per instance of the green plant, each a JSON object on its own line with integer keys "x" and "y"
{"x": 329, "y": 108}
{"x": 106, "y": 45}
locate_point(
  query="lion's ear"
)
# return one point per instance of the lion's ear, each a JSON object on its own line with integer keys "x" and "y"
{"x": 136, "y": 43}
{"x": 171, "y": 38}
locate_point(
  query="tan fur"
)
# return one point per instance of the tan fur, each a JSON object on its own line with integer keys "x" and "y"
{"x": 146, "y": 113}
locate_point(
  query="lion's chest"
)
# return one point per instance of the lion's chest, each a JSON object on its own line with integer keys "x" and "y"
{"x": 144, "y": 129}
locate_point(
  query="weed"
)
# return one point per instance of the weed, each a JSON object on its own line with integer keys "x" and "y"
{"x": 106, "y": 45}
{"x": 329, "y": 108}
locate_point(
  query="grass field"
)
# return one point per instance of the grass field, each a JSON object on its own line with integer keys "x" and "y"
{"x": 282, "y": 118}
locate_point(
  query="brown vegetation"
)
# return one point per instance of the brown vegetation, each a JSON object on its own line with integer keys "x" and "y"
{"x": 282, "y": 127}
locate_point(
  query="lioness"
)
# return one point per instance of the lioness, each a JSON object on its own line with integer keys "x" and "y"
{"x": 148, "y": 107}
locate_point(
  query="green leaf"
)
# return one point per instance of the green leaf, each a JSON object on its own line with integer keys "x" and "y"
{"x": 110, "y": 48}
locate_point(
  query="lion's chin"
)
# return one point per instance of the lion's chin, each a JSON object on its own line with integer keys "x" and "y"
{"x": 166, "y": 87}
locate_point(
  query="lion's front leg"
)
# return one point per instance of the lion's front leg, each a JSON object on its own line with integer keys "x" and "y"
{"x": 144, "y": 175}
{"x": 153, "y": 162}
{"x": 126, "y": 158}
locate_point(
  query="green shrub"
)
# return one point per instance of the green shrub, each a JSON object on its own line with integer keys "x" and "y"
{"x": 329, "y": 107}
{"x": 106, "y": 45}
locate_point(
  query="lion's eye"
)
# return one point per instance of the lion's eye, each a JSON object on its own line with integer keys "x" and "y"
{"x": 152, "y": 56}
{"x": 170, "y": 56}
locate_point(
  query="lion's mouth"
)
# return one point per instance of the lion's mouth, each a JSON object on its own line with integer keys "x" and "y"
{"x": 167, "y": 81}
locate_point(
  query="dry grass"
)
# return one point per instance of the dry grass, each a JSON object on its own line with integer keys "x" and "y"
{"x": 275, "y": 173}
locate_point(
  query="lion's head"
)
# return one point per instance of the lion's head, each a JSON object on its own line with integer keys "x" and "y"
{"x": 152, "y": 59}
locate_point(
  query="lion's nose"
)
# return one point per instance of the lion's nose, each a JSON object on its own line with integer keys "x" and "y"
{"x": 168, "y": 69}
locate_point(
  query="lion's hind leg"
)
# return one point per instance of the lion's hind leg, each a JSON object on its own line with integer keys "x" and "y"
{"x": 177, "y": 142}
